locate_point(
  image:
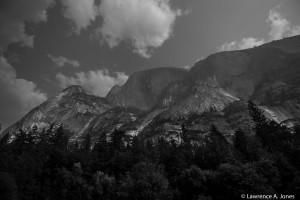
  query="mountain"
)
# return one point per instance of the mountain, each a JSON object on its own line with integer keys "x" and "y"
{"x": 217, "y": 88}
{"x": 159, "y": 101}
{"x": 73, "y": 107}
{"x": 143, "y": 89}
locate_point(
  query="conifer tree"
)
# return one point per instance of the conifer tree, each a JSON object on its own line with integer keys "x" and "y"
{"x": 60, "y": 138}
{"x": 240, "y": 142}
{"x": 87, "y": 143}
{"x": 136, "y": 146}
{"x": 116, "y": 144}
{"x": 101, "y": 144}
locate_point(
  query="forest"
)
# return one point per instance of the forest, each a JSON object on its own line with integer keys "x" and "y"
{"x": 42, "y": 165}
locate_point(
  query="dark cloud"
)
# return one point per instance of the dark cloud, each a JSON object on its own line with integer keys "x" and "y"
{"x": 18, "y": 96}
{"x": 61, "y": 61}
{"x": 13, "y": 16}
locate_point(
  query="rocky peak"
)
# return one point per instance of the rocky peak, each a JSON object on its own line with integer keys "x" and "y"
{"x": 143, "y": 89}
{"x": 73, "y": 90}
{"x": 115, "y": 88}
{"x": 114, "y": 95}
{"x": 72, "y": 107}
{"x": 267, "y": 75}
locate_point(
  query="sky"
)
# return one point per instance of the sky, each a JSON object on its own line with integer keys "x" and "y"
{"x": 47, "y": 45}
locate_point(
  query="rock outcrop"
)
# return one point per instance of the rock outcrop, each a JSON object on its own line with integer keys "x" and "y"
{"x": 160, "y": 100}
{"x": 74, "y": 108}
{"x": 143, "y": 89}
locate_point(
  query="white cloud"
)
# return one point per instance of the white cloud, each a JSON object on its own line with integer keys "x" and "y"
{"x": 188, "y": 67}
{"x": 96, "y": 82}
{"x": 63, "y": 61}
{"x": 81, "y": 12}
{"x": 245, "y": 43}
{"x": 147, "y": 24}
{"x": 280, "y": 26}
{"x": 295, "y": 31}
{"x": 13, "y": 16}
{"x": 199, "y": 59}
{"x": 18, "y": 96}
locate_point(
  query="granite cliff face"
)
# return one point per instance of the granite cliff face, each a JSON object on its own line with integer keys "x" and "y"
{"x": 143, "y": 89}
{"x": 202, "y": 96}
{"x": 73, "y": 108}
{"x": 217, "y": 88}
{"x": 158, "y": 101}
{"x": 240, "y": 72}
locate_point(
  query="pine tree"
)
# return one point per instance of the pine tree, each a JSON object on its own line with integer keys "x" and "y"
{"x": 20, "y": 143}
{"x": 116, "y": 144}
{"x": 137, "y": 146}
{"x": 149, "y": 145}
{"x": 185, "y": 137}
{"x": 60, "y": 138}
{"x": 4, "y": 140}
{"x": 218, "y": 148}
{"x": 33, "y": 135}
{"x": 272, "y": 135}
{"x": 240, "y": 142}
{"x": 87, "y": 143}
{"x": 261, "y": 123}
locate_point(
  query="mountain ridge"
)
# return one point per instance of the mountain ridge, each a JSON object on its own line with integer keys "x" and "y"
{"x": 267, "y": 75}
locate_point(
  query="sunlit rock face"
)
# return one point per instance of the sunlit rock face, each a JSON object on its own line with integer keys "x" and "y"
{"x": 240, "y": 72}
{"x": 143, "y": 89}
{"x": 269, "y": 75}
{"x": 158, "y": 101}
{"x": 203, "y": 96}
{"x": 74, "y": 108}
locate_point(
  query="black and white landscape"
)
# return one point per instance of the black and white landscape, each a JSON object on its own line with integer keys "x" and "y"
{"x": 149, "y": 99}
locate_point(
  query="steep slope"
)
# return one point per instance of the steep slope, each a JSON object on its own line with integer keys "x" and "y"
{"x": 158, "y": 101}
{"x": 269, "y": 75}
{"x": 202, "y": 96}
{"x": 281, "y": 92}
{"x": 72, "y": 107}
{"x": 143, "y": 89}
{"x": 246, "y": 74}
{"x": 241, "y": 72}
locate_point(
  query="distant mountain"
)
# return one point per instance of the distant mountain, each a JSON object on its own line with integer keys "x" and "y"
{"x": 73, "y": 107}
{"x": 216, "y": 89}
{"x": 200, "y": 97}
{"x": 143, "y": 89}
{"x": 158, "y": 101}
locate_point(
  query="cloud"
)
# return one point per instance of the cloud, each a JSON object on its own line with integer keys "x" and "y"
{"x": 18, "y": 96}
{"x": 96, "y": 82}
{"x": 63, "y": 61}
{"x": 81, "y": 12}
{"x": 280, "y": 27}
{"x": 199, "y": 59}
{"x": 245, "y": 43}
{"x": 147, "y": 24}
{"x": 13, "y": 16}
{"x": 188, "y": 67}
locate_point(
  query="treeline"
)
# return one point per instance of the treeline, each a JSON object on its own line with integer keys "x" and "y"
{"x": 42, "y": 165}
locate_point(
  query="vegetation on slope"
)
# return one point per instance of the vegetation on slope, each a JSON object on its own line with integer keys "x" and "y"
{"x": 42, "y": 165}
